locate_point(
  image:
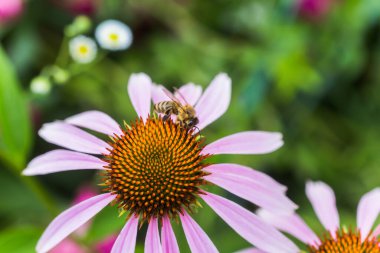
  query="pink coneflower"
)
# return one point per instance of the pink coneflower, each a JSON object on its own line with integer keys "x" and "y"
{"x": 155, "y": 171}
{"x": 336, "y": 239}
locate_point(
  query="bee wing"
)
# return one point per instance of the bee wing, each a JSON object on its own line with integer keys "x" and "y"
{"x": 182, "y": 96}
{"x": 172, "y": 97}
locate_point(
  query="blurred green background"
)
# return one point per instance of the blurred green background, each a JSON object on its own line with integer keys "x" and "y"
{"x": 309, "y": 70}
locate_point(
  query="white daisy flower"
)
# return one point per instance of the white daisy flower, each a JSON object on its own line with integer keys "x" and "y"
{"x": 82, "y": 49}
{"x": 113, "y": 35}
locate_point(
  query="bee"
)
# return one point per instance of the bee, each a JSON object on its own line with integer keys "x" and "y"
{"x": 186, "y": 115}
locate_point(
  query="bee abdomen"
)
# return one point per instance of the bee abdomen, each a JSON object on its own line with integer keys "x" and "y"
{"x": 165, "y": 107}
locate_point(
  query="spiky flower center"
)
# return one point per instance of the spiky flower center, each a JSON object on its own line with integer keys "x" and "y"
{"x": 346, "y": 242}
{"x": 155, "y": 168}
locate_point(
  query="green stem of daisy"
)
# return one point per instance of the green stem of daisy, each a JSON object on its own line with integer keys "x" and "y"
{"x": 61, "y": 59}
{"x": 76, "y": 69}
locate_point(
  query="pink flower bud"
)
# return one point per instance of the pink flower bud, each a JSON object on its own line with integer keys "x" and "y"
{"x": 314, "y": 9}
{"x": 10, "y": 9}
{"x": 78, "y": 7}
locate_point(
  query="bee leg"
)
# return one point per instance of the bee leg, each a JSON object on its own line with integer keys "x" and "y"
{"x": 166, "y": 117}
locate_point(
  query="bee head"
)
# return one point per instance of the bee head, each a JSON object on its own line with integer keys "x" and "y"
{"x": 192, "y": 122}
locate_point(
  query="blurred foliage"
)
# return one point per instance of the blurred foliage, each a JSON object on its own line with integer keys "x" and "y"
{"x": 315, "y": 79}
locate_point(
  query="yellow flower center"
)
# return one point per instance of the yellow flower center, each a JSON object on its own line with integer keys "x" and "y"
{"x": 346, "y": 242}
{"x": 155, "y": 168}
{"x": 83, "y": 49}
{"x": 114, "y": 37}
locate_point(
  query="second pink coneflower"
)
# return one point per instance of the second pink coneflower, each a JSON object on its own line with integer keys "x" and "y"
{"x": 363, "y": 238}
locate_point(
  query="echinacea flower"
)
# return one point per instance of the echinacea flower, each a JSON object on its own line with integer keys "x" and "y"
{"x": 82, "y": 49}
{"x": 336, "y": 238}
{"x": 155, "y": 171}
{"x": 113, "y": 35}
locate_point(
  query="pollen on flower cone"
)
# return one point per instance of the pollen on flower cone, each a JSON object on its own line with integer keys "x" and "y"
{"x": 155, "y": 168}
{"x": 347, "y": 242}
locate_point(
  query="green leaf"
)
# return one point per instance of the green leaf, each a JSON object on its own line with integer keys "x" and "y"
{"x": 15, "y": 127}
{"x": 19, "y": 240}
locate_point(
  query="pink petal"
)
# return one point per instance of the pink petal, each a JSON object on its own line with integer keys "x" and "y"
{"x": 196, "y": 238}
{"x": 169, "y": 242}
{"x": 158, "y": 95}
{"x": 62, "y": 160}
{"x": 71, "y": 137}
{"x": 248, "y": 173}
{"x": 139, "y": 90}
{"x": 152, "y": 240}
{"x": 84, "y": 192}
{"x": 97, "y": 121}
{"x": 250, "y": 250}
{"x": 322, "y": 199}
{"x": 70, "y": 220}
{"x": 250, "y": 187}
{"x": 68, "y": 246}
{"x": 368, "y": 210}
{"x": 252, "y": 142}
{"x": 214, "y": 101}
{"x": 292, "y": 224}
{"x": 126, "y": 241}
{"x": 249, "y": 226}
{"x": 191, "y": 92}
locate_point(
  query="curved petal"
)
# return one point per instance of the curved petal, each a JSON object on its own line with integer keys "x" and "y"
{"x": 251, "y": 188}
{"x": 368, "y": 210}
{"x": 250, "y": 142}
{"x": 196, "y": 238}
{"x": 139, "y": 90}
{"x": 71, "y": 137}
{"x": 214, "y": 101}
{"x": 248, "y": 173}
{"x": 126, "y": 241}
{"x": 97, "y": 121}
{"x": 152, "y": 240}
{"x": 292, "y": 224}
{"x": 249, "y": 226}
{"x": 62, "y": 160}
{"x": 169, "y": 242}
{"x": 190, "y": 92}
{"x": 70, "y": 220}
{"x": 322, "y": 198}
